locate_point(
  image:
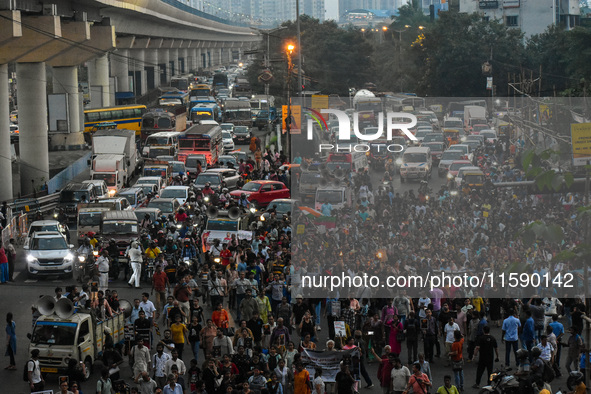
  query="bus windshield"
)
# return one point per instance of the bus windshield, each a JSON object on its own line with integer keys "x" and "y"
{"x": 197, "y": 144}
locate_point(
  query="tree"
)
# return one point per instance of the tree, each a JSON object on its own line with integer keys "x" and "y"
{"x": 452, "y": 50}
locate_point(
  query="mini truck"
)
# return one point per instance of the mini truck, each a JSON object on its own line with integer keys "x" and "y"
{"x": 71, "y": 333}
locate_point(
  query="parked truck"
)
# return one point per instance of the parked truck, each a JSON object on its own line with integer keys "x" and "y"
{"x": 115, "y": 151}
{"x": 64, "y": 332}
{"x": 237, "y": 112}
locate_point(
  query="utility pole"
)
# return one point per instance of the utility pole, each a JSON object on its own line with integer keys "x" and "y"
{"x": 299, "y": 50}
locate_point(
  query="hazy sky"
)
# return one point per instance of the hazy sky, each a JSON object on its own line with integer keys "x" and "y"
{"x": 332, "y": 9}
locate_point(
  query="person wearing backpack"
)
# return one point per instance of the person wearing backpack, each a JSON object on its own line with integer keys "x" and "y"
{"x": 33, "y": 372}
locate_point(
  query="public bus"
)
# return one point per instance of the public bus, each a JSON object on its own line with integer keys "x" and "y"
{"x": 123, "y": 116}
{"x": 174, "y": 98}
{"x": 158, "y": 120}
{"x": 348, "y": 162}
{"x": 199, "y": 90}
{"x": 180, "y": 83}
{"x": 205, "y": 139}
{"x": 205, "y": 111}
{"x": 220, "y": 79}
{"x": 403, "y": 103}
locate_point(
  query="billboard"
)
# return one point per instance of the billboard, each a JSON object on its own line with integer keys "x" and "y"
{"x": 581, "y": 143}
{"x": 296, "y": 119}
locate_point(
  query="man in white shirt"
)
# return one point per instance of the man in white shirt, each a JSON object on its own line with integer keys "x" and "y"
{"x": 102, "y": 264}
{"x": 399, "y": 375}
{"x": 134, "y": 253}
{"x": 147, "y": 306}
{"x": 448, "y": 330}
{"x": 423, "y": 304}
{"x": 159, "y": 360}
{"x": 546, "y": 348}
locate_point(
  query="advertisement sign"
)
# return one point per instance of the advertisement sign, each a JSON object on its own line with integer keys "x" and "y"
{"x": 319, "y": 102}
{"x": 581, "y": 142}
{"x": 296, "y": 119}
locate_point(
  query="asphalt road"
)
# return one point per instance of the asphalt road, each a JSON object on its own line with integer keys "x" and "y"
{"x": 19, "y": 296}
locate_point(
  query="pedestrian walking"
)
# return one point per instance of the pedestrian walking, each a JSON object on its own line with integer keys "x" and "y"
{"x": 134, "y": 254}
{"x": 11, "y": 255}
{"x": 10, "y": 341}
{"x": 3, "y": 265}
{"x": 486, "y": 345}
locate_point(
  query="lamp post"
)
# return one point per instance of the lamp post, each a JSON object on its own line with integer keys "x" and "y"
{"x": 399, "y": 59}
{"x": 288, "y": 51}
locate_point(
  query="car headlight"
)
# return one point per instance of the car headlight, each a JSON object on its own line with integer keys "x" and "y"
{"x": 399, "y": 161}
{"x": 450, "y": 176}
{"x": 31, "y": 259}
{"x": 69, "y": 257}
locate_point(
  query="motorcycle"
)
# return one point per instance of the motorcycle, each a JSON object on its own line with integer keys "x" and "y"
{"x": 501, "y": 383}
{"x": 85, "y": 266}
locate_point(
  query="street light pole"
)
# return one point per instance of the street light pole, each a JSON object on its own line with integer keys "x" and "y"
{"x": 299, "y": 49}
{"x": 289, "y": 51}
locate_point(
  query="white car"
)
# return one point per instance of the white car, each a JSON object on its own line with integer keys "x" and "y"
{"x": 181, "y": 193}
{"x": 48, "y": 253}
{"x": 40, "y": 226}
{"x": 228, "y": 141}
{"x": 464, "y": 148}
{"x": 152, "y": 180}
{"x": 489, "y": 135}
{"x": 227, "y": 127}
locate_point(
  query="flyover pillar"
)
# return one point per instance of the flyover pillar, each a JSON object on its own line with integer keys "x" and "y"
{"x": 174, "y": 62}
{"x": 164, "y": 62}
{"x": 138, "y": 71}
{"x": 65, "y": 80}
{"x": 5, "y": 153}
{"x": 34, "y": 156}
{"x": 183, "y": 65}
{"x": 119, "y": 63}
{"x": 151, "y": 68}
{"x": 196, "y": 58}
{"x": 98, "y": 76}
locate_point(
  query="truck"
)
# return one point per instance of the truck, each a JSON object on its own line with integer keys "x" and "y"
{"x": 474, "y": 114}
{"x": 72, "y": 333}
{"x": 121, "y": 143}
{"x": 237, "y": 112}
{"x": 111, "y": 169}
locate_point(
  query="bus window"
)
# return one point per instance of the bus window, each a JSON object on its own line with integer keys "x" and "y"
{"x": 117, "y": 114}
{"x": 93, "y": 116}
{"x": 138, "y": 111}
{"x": 105, "y": 115}
{"x": 128, "y": 113}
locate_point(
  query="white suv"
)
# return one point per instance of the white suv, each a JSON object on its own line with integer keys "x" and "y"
{"x": 48, "y": 253}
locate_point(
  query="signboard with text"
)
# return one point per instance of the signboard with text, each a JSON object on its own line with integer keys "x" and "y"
{"x": 581, "y": 143}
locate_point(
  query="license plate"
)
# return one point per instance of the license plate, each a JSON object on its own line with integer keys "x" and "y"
{"x": 49, "y": 370}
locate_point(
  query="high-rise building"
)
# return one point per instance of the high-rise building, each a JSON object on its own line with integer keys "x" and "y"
{"x": 532, "y": 17}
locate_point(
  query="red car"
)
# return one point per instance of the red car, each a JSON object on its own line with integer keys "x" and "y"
{"x": 261, "y": 193}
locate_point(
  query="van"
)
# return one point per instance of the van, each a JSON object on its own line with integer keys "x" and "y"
{"x": 100, "y": 187}
{"x": 416, "y": 162}
{"x": 72, "y": 195}
{"x": 337, "y": 196}
{"x": 134, "y": 196}
{"x": 122, "y": 226}
{"x": 163, "y": 143}
{"x": 119, "y": 203}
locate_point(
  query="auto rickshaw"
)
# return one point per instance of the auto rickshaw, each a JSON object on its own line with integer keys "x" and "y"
{"x": 451, "y": 136}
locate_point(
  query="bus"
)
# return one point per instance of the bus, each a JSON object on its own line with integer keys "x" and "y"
{"x": 205, "y": 111}
{"x": 404, "y": 103}
{"x": 174, "y": 98}
{"x": 159, "y": 120}
{"x": 123, "y": 116}
{"x": 205, "y": 139}
{"x": 180, "y": 83}
{"x": 348, "y": 162}
{"x": 237, "y": 112}
{"x": 219, "y": 80}
{"x": 199, "y": 90}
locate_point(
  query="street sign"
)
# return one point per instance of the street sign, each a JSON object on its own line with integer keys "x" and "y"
{"x": 581, "y": 143}
{"x": 489, "y": 83}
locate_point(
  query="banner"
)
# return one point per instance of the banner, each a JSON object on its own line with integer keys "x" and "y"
{"x": 296, "y": 119}
{"x": 581, "y": 143}
{"x": 328, "y": 360}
